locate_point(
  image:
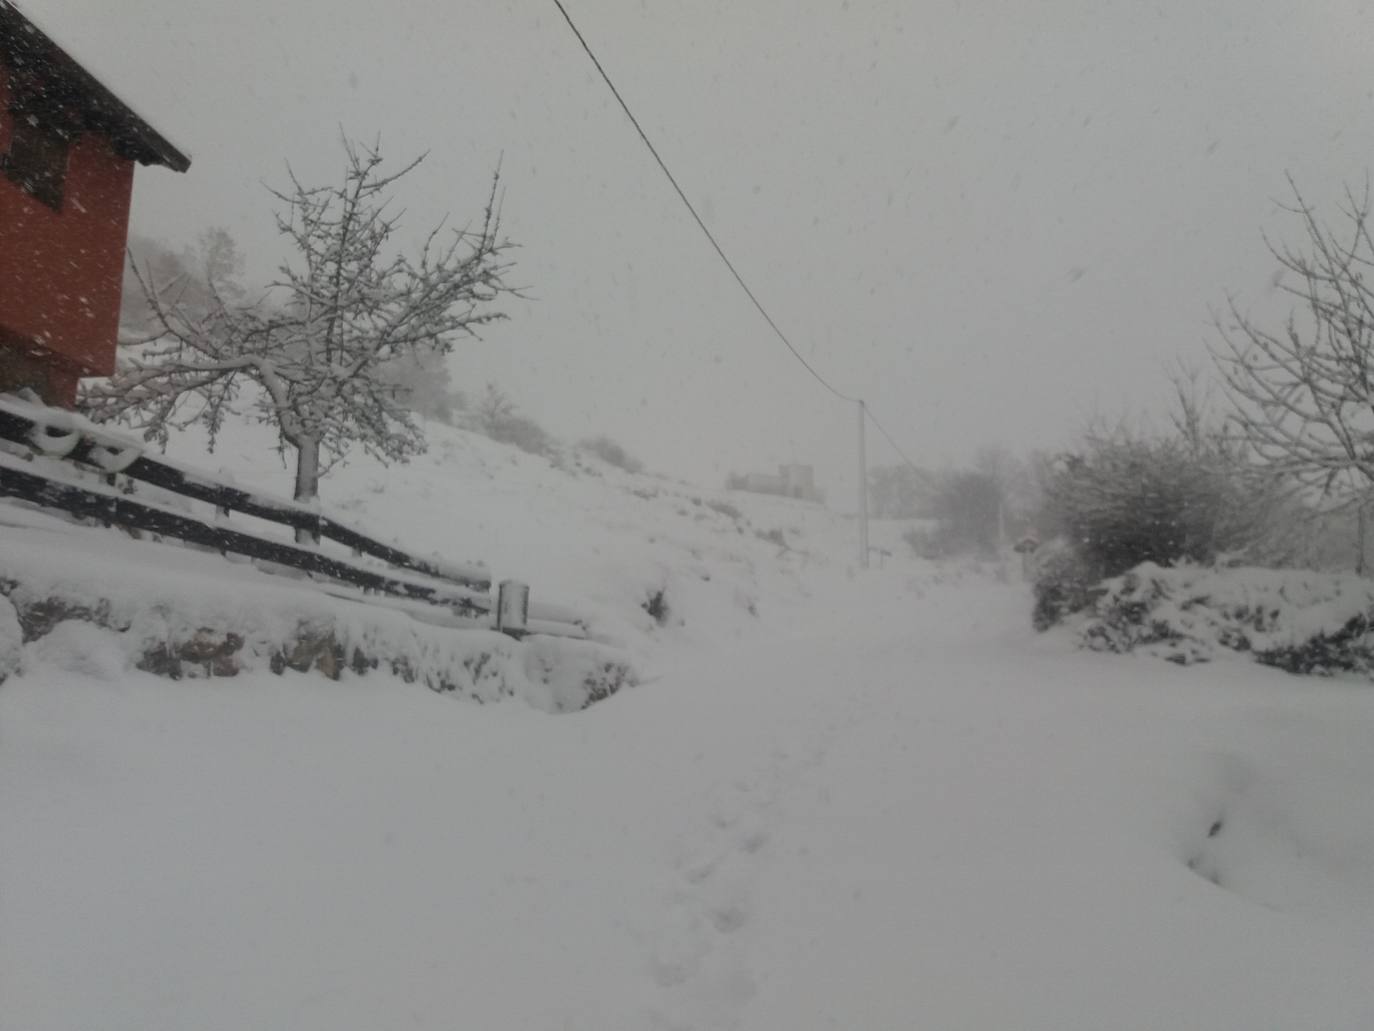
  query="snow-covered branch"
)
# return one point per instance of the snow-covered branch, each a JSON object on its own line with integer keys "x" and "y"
{"x": 1302, "y": 397}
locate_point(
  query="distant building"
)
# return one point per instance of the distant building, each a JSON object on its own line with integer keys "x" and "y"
{"x": 791, "y": 481}
{"x": 67, "y": 152}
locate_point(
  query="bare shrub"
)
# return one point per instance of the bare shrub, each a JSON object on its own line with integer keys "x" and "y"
{"x": 1124, "y": 499}
{"x": 498, "y": 419}
{"x": 612, "y": 453}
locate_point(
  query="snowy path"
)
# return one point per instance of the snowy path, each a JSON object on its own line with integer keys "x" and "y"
{"x": 910, "y": 814}
{"x": 971, "y": 832}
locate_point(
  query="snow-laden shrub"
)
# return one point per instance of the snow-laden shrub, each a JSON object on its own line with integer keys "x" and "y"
{"x": 496, "y": 417}
{"x": 1064, "y": 581}
{"x": 656, "y": 605}
{"x": 522, "y": 432}
{"x": 921, "y": 542}
{"x": 729, "y": 511}
{"x": 1124, "y": 499}
{"x": 612, "y": 453}
{"x": 1299, "y": 621}
{"x": 424, "y": 384}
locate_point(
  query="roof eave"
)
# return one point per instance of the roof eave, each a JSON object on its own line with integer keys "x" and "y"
{"x": 133, "y": 137}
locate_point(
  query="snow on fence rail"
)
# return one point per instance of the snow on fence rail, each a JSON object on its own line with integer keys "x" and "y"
{"x": 463, "y": 589}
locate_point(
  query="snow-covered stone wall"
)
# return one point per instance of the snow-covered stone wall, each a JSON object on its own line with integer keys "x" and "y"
{"x": 1296, "y": 620}
{"x": 90, "y": 600}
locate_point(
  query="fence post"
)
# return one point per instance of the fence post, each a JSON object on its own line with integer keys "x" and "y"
{"x": 512, "y": 608}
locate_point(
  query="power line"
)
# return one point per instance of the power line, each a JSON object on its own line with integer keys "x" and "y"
{"x": 883, "y": 430}
{"x": 865, "y": 411}
{"x": 728, "y": 263}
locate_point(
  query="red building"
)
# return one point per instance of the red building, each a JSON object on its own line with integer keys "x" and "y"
{"x": 67, "y": 152}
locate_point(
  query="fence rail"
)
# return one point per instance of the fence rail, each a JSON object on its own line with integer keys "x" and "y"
{"x": 460, "y": 588}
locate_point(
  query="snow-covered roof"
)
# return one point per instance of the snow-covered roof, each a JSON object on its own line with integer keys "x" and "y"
{"x": 24, "y": 45}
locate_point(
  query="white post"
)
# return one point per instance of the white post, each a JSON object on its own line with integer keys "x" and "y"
{"x": 863, "y": 490}
{"x": 1361, "y": 522}
{"x": 512, "y": 607}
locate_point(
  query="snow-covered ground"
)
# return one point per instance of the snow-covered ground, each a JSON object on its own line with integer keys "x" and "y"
{"x": 843, "y": 799}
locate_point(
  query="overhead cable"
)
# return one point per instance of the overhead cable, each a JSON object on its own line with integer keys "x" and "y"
{"x": 683, "y": 196}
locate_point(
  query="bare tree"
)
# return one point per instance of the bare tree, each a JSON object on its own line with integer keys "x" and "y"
{"x": 498, "y": 419}
{"x": 186, "y": 279}
{"x": 1302, "y": 396}
{"x": 345, "y": 305}
{"x": 494, "y": 408}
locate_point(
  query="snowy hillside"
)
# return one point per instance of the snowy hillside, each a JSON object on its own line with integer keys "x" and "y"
{"x": 584, "y": 534}
{"x": 841, "y": 799}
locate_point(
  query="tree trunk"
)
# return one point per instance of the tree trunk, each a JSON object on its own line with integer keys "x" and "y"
{"x": 308, "y": 483}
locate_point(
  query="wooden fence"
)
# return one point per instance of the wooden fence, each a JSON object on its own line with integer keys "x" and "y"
{"x": 93, "y": 474}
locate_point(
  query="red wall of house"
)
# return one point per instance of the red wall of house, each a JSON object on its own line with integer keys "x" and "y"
{"x": 60, "y": 271}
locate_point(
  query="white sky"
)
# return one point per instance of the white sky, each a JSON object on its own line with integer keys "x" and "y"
{"x": 992, "y": 220}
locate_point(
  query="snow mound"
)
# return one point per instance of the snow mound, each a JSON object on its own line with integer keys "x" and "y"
{"x": 1295, "y": 620}
{"x": 1291, "y": 838}
{"x": 82, "y": 648}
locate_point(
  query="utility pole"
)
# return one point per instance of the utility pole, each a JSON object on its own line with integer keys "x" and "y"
{"x": 863, "y": 490}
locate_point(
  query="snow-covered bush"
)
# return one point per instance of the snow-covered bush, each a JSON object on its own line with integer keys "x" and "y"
{"x": 656, "y": 605}
{"x": 612, "y": 453}
{"x": 1125, "y": 499}
{"x": 918, "y": 540}
{"x": 424, "y": 383}
{"x": 496, "y": 417}
{"x": 1064, "y": 581}
{"x": 1299, "y": 621}
{"x": 524, "y": 433}
{"x": 729, "y": 511}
